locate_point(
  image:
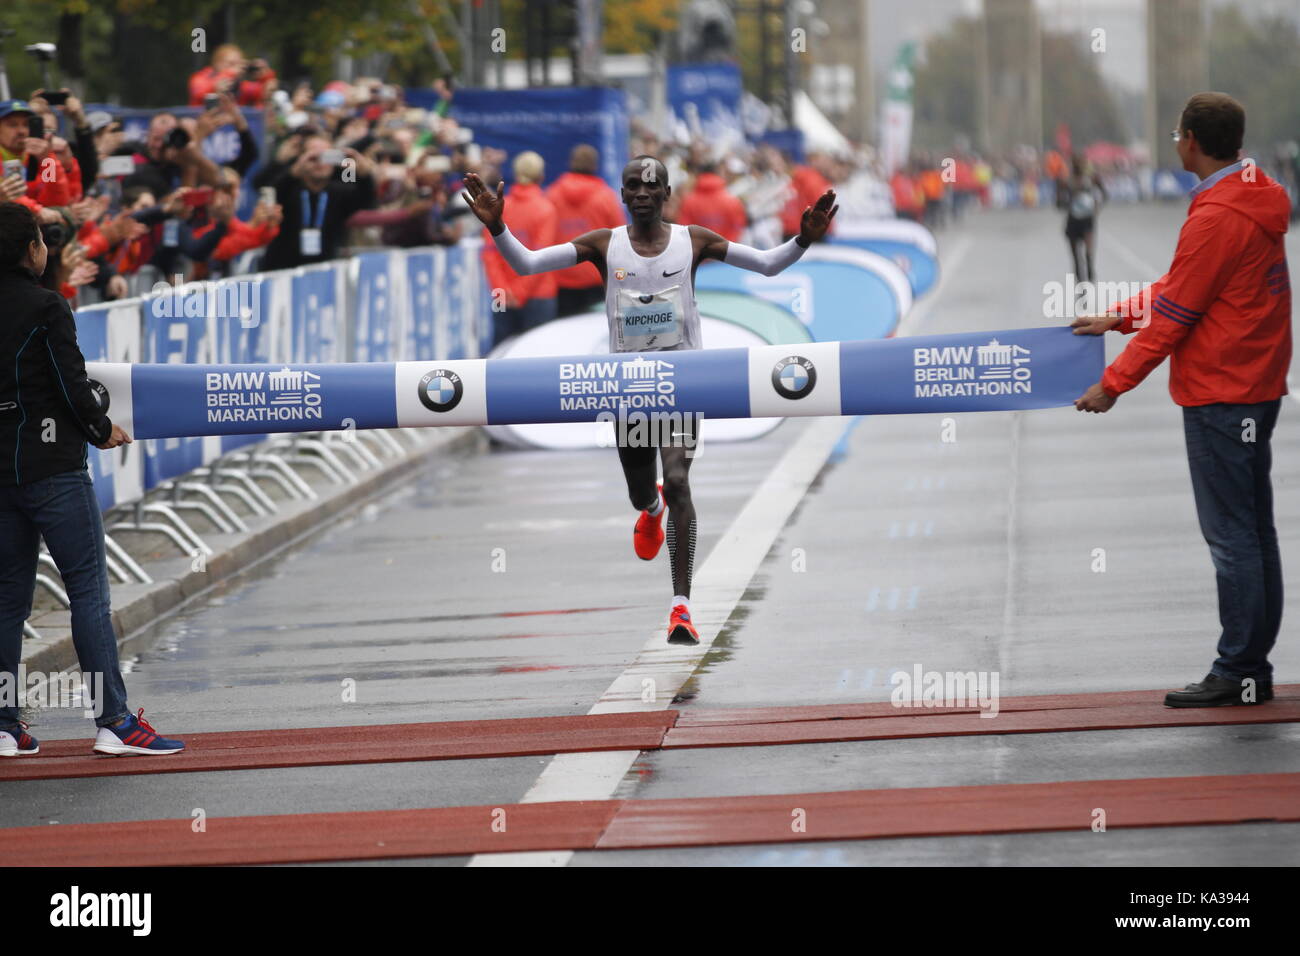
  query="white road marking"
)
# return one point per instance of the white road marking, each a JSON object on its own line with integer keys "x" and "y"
{"x": 717, "y": 588}
{"x": 1150, "y": 271}
{"x": 946, "y": 268}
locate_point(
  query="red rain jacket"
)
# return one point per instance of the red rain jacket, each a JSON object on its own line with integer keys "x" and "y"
{"x": 710, "y": 205}
{"x": 1223, "y": 310}
{"x": 582, "y": 203}
{"x": 531, "y": 219}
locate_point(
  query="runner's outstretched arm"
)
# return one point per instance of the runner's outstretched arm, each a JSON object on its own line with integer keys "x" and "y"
{"x": 489, "y": 206}
{"x": 816, "y": 220}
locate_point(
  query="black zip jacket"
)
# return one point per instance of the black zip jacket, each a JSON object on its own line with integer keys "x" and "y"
{"x": 47, "y": 409}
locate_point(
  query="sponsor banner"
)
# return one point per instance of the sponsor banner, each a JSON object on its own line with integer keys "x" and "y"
{"x": 112, "y": 333}
{"x": 974, "y": 371}
{"x": 315, "y": 311}
{"x": 375, "y": 308}
{"x": 421, "y": 280}
{"x": 838, "y": 302}
{"x": 176, "y": 402}
{"x": 580, "y": 388}
{"x": 799, "y": 379}
{"x": 442, "y": 392}
{"x": 550, "y": 121}
{"x": 920, "y": 267}
{"x": 969, "y": 372}
{"x": 706, "y": 98}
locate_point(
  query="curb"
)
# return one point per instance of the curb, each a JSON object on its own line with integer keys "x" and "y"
{"x": 136, "y": 608}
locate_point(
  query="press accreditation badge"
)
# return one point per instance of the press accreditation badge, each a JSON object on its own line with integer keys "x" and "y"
{"x": 309, "y": 242}
{"x": 649, "y": 321}
{"x": 171, "y": 233}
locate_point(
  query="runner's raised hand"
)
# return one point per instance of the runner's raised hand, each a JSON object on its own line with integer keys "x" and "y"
{"x": 817, "y": 218}
{"x": 487, "y": 205}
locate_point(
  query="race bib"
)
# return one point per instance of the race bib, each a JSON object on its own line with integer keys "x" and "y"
{"x": 649, "y": 321}
{"x": 309, "y": 242}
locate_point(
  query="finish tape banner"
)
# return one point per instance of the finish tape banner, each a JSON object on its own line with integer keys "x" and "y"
{"x": 969, "y": 372}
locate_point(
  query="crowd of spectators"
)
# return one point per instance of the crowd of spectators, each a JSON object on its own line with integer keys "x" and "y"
{"x": 340, "y": 168}
{"x": 352, "y": 165}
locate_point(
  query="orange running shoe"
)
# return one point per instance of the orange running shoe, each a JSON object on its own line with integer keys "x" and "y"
{"x": 648, "y": 537}
{"x": 680, "y": 628}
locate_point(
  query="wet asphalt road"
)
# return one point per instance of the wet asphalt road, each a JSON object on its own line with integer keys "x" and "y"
{"x": 503, "y": 584}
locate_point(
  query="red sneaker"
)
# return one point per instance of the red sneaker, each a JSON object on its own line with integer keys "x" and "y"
{"x": 680, "y": 628}
{"x": 648, "y": 537}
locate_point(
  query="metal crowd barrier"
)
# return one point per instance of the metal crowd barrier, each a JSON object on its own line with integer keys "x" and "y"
{"x": 424, "y": 304}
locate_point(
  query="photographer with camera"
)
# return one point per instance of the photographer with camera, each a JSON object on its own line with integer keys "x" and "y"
{"x": 169, "y": 158}
{"x": 250, "y": 82}
{"x": 221, "y": 111}
{"x": 24, "y": 148}
{"x": 318, "y": 193}
{"x": 81, "y": 146}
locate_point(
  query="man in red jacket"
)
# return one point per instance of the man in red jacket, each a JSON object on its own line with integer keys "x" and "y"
{"x": 711, "y": 205}
{"x": 582, "y": 202}
{"x": 1223, "y": 314}
{"x": 529, "y": 300}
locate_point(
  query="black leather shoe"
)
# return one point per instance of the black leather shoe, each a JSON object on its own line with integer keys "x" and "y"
{"x": 1215, "y": 691}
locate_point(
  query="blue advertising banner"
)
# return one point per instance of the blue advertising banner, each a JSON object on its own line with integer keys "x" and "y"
{"x": 175, "y": 329}
{"x": 421, "y": 272}
{"x": 548, "y": 121}
{"x": 315, "y": 306}
{"x": 374, "y": 310}
{"x": 836, "y": 301}
{"x": 968, "y": 372}
{"x": 92, "y": 339}
{"x": 706, "y": 97}
{"x": 920, "y": 267}
{"x": 453, "y": 285}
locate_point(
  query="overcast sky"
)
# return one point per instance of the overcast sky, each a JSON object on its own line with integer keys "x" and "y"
{"x": 1124, "y": 63}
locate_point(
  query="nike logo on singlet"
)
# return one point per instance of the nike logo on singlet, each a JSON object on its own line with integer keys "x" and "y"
{"x": 667, "y": 274}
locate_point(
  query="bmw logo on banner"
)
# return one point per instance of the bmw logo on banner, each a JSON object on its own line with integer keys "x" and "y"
{"x": 794, "y": 377}
{"x": 100, "y": 391}
{"x": 441, "y": 390}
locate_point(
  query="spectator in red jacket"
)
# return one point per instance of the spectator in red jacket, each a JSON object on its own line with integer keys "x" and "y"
{"x": 909, "y": 200}
{"x": 808, "y": 186}
{"x": 583, "y": 202}
{"x": 251, "y": 81}
{"x": 1223, "y": 314}
{"x": 711, "y": 205}
{"x": 240, "y": 237}
{"x": 529, "y": 301}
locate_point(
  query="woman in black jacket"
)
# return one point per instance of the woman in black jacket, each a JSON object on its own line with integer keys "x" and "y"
{"x": 48, "y": 412}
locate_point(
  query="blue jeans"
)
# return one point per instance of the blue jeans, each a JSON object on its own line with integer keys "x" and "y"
{"x": 62, "y": 509}
{"x": 1230, "y": 457}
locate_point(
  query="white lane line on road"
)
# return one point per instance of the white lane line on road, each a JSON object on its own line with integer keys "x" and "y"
{"x": 946, "y": 268}
{"x": 1146, "y": 268}
{"x": 717, "y": 589}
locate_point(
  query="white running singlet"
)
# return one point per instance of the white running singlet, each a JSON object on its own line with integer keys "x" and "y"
{"x": 650, "y": 303}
